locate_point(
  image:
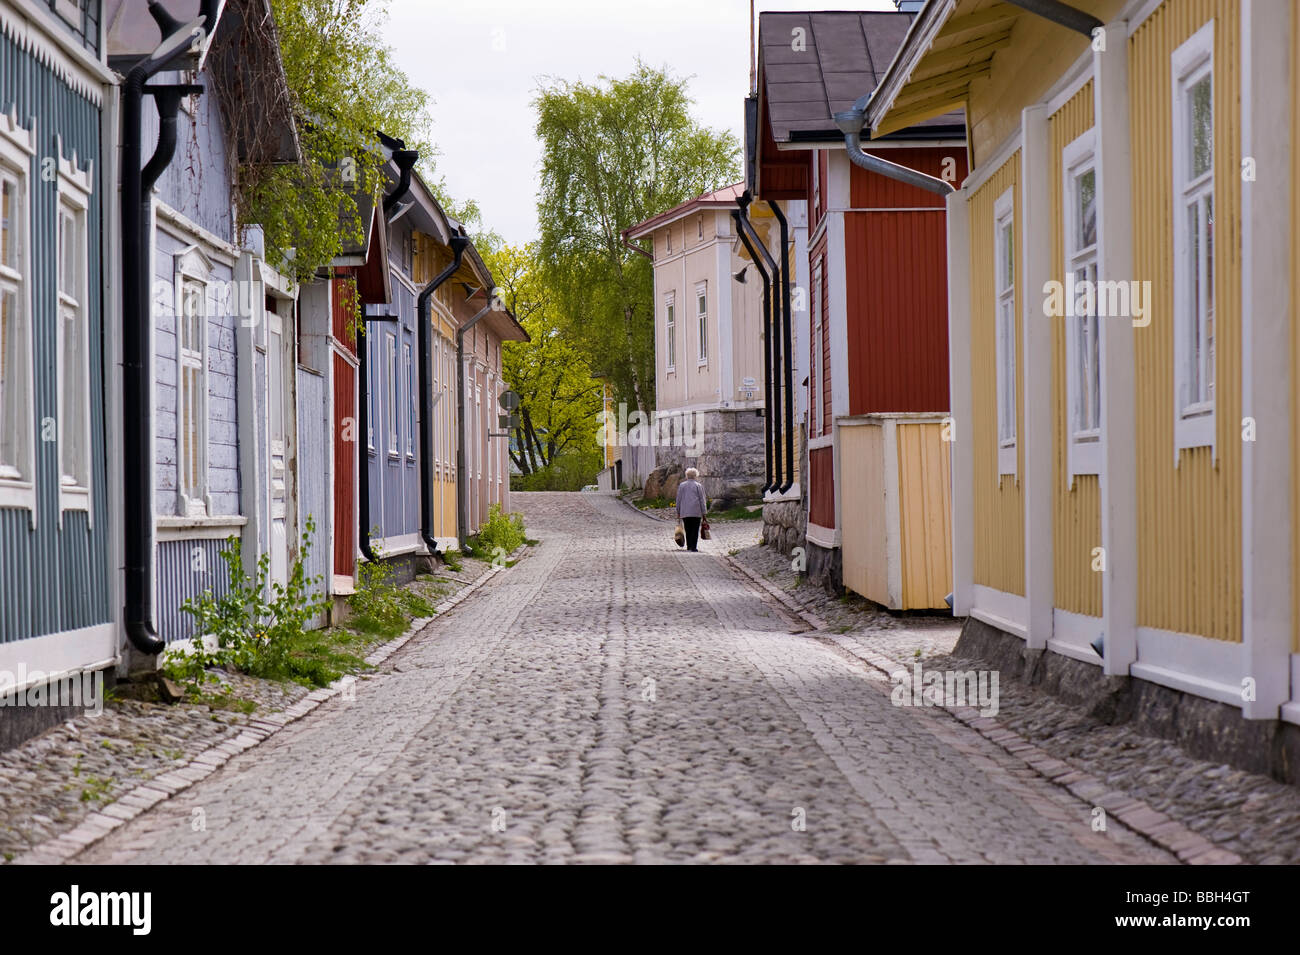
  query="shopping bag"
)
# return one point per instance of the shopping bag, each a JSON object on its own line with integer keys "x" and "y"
{"x": 679, "y": 535}
{"x": 704, "y": 530}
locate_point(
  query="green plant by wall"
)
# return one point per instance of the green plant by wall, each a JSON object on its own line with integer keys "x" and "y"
{"x": 498, "y": 536}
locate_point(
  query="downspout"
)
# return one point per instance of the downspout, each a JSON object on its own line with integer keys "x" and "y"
{"x": 458, "y": 246}
{"x": 851, "y": 122}
{"x": 405, "y": 160}
{"x": 786, "y": 347}
{"x": 462, "y": 491}
{"x": 767, "y": 345}
{"x": 137, "y": 405}
{"x": 773, "y": 395}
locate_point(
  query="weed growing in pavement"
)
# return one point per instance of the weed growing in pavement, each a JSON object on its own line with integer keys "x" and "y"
{"x": 500, "y": 533}
{"x": 452, "y": 559}
{"x": 380, "y": 606}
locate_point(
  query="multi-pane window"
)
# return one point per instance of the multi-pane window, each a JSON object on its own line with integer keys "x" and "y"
{"x": 1083, "y": 350}
{"x": 1193, "y": 155}
{"x": 74, "y": 346}
{"x": 14, "y": 398}
{"x": 670, "y": 329}
{"x": 1004, "y": 271}
{"x": 702, "y": 320}
{"x": 390, "y": 409}
{"x": 410, "y": 399}
{"x": 192, "y": 392}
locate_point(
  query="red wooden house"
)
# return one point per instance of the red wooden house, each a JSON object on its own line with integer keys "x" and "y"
{"x": 874, "y": 352}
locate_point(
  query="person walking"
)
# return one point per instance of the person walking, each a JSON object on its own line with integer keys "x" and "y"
{"x": 691, "y": 507}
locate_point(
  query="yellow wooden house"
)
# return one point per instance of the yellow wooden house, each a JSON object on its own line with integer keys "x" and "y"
{"x": 1124, "y": 363}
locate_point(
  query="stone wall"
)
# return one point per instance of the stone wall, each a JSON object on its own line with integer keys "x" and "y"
{"x": 729, "y": 455}
{"x": 784, "y": 525}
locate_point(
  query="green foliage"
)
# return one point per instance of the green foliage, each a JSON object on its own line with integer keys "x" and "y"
{"x": 559, "y": 399}
{"x": 613, "y": 155}
{"x": 380, "y": 605}
{"x": 452, "y": 559}
{"x": 499, "y": 535}
{"x": 256, "y": 622}
{"x": 569, "y": 471}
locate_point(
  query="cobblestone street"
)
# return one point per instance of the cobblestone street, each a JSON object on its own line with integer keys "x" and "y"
{"x": 614, "y": 699}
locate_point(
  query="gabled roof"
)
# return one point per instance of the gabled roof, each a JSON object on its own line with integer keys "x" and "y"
{"x": 723, "y": 198}
{"x": 813, "y": 65}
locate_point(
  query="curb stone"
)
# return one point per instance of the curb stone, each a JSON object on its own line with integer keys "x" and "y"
{"x": 1187, "y": 846}
{"x": 145, "y": 796}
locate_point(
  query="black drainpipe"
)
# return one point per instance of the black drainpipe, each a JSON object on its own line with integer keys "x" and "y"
{"x": 767, "y": 345}
{"x": 458, "y": 246}
{"x": 786, "y": 347}
{"x": 137, "y": 364}
{"x": 774, "y": 395}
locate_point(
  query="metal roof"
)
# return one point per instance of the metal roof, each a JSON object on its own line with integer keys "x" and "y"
{"x": 720, "y": 198}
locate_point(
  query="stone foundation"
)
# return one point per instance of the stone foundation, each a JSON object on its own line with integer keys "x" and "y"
{"x": 784, "y": 525}
{"x": 1205, "y": 729}
{"x": 728, "y": 454}
{"x": 825, "y": 566}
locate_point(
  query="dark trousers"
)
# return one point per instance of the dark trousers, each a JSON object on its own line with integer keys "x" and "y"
{"x": 692, "y": 525}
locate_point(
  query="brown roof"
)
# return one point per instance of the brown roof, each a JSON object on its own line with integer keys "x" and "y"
{"x": 726, "y": 196}
{"x": 843, "y": 55}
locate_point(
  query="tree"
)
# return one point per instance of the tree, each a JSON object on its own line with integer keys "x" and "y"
{"x": 559, "y": 400}
{"x": 615, "y": 154}
{"x": 344, "y": 87}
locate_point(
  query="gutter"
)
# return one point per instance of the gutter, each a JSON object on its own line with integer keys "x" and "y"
{"x": 739, "y": 219}
{"x": 137, "y": 362}
{"x": 458, "y": 246}
{"x": 771, "y": 350}
{"x": 851, "y": 123}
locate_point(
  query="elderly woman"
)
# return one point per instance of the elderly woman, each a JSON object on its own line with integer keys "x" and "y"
{"x": 691, "y": 506}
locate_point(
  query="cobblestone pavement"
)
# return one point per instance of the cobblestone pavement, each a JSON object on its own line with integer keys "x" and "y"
{"x": 613, "y": 699}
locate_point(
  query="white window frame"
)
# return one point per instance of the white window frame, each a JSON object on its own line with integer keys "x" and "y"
{"x": 192, "y": 268}
{"x": 670, "y": 332}
{"x": 702, "y": 322}
{"x": 408, "y": 360}
{"x": 815, "y": 408}
{"x": 1194, "y": 419}
{"x": 1083, "y": 444}
{"x": 372, "y": 362}
{"x": 1004, "y": 323}
{"x": 390, "y": 409}
{"x": 17, "y": 478}
{"x": 75, "y": 186}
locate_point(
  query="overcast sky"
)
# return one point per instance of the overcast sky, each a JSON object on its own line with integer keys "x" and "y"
{"x": 481, "y": 61}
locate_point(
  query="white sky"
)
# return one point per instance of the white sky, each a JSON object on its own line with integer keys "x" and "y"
{"x": 481, "y": 60}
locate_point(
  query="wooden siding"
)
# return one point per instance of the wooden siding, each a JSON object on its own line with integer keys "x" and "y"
{"x": 925, "y": 514}
{"x": 821, "y": 490}
{"x": 1189, "y": 516}
{"x": 999, "y": 501}
{"x": 54, "y": 577}
{"x": 313, "y": 461}
{"x": 345, "y": 466}
{"x": 865, "y": 533}
{"x": 182, "y": 576}
{"x": 1076, "y": 505}
{"x": 1295, "y": 340}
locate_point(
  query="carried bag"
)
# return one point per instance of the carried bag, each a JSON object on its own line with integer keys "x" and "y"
{"x": 679, "y": 535}
{"x": 704, "y": 529}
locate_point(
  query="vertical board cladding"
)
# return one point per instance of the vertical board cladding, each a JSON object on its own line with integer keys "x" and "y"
{"x": 999, "y": 502}
{"x": 1189, "y": 526}
{"x": 821, "y": 490}
{"x": 1295, "y": 339}
{"x": 186, "y": 570}
{"x": 865, "y": 550}
{"x": 345, "y": 468}
{"x": 343, "y": 313}
{"x": 897, "y": 286}
{"x": 925, "y": 514}
{"x": 313, "y": 493}
{"x": 65, "y": 562}
{"x": 197, "y": 182}
{"x": 1077, "y": 503}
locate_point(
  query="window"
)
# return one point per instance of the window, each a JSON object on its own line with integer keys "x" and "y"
{"x": 372, "y": 364}
{"x": 702, "y": 320}
{"x": 192, "y": 393}
{"x": 410, "y": 400}
{"x": 670, "y": 332}
{"x": 816, "y": 180}
{"x": 390, "y": 409}
{"x": 17, "y": 427}
{"x": 815, "y": 405}
{"x": 668, "y": 238}
{"x": 1193, "y": 155}
{"x": 1082, "y": 342}
{"x": 1004, "y": 270}
{"x": 699, "y": 228}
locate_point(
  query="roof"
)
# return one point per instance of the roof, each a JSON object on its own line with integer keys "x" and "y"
{"x": 718, "y": 199}
{"x": 949, "y": 46}
{"x": 813, "y": 65}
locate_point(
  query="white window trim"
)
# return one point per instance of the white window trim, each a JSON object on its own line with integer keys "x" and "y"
{"x": 702, "y": 323}
{"x": 17, "y": 150}
{"x": 670, "y": 332}
{"x": 74, "y": 189}
{"x": 1194, "y": 425}
{"x": 408, "y": 364}
{"x": 1083, "y": 448}
{"x": 193, "y": 265}
{"x": 1004, "y": 212}
{"x": 390, "y": 409}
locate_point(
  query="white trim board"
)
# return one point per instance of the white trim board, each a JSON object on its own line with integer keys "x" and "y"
{"x": 1194, "y": 664}
{"x": 1073, "y": 634}
{"x": 827, "y": 537}
{"x": 997, "y": 608}
{"x": 63, "y": 653}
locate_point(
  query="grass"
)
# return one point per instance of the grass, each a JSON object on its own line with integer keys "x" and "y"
{"x": 96, "y": 789}
{"x": 740, "y": 512}
{"x": 647, "y": 503}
